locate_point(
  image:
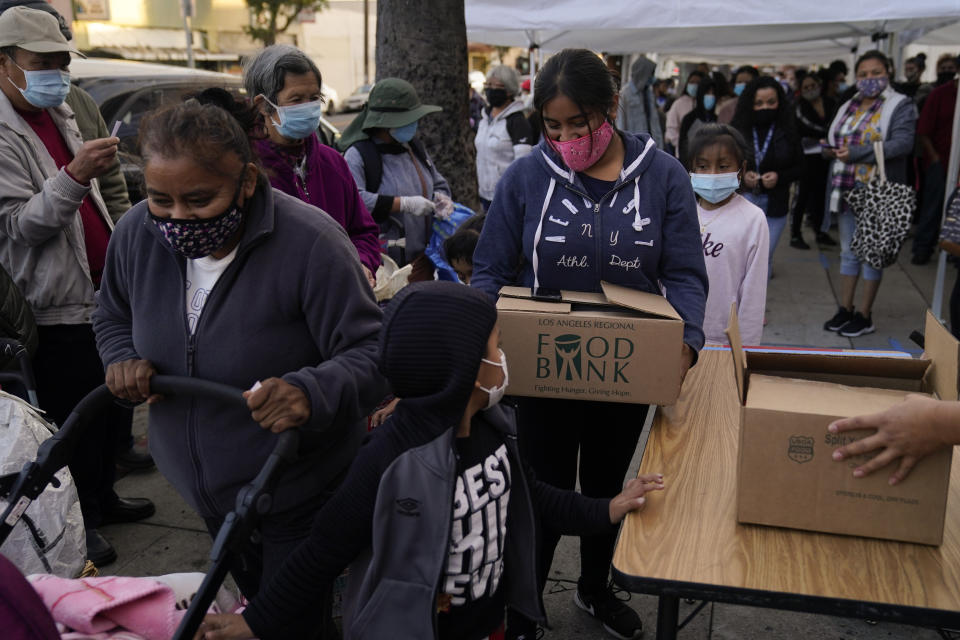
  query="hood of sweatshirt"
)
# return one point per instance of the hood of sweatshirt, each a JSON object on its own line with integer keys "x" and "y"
{"x": 512, "y": 108}
{"x": 433, "y": 337}
{"x": 641, "y": 70}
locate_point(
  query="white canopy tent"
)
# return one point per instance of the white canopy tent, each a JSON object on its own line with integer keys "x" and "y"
{"x": 669, "y": 26}
{"x": 742, "y": 31}
{"x": 949, "y": 36}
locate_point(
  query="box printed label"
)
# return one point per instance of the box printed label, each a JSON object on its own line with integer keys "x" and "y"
{"x": 800, "y": 449}
{"x": 570, "y": 357}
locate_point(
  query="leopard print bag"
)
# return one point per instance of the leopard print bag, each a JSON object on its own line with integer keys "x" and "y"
{"x": 883, "y": 211}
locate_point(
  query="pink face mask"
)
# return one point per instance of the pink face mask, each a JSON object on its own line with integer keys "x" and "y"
{"x": 583, "y": 153}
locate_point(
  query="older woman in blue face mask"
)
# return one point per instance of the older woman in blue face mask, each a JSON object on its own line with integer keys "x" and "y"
{"x": 285, "y": 86}
{"x": 397, "y": 179}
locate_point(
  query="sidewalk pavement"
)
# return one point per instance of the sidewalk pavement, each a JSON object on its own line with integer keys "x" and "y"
{"x": 801, "y": 296}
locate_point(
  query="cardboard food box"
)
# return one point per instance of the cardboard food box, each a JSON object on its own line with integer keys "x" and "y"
{"x": 786, "y": 474}
{"x": 621, "y": 345}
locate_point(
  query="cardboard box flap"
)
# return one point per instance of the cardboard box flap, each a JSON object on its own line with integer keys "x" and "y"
{"x": 844, "y": 363}
{"x": 527, "y": 304}
{"x": 943, "y": 349}
{"x": 818, "y": 398}
{"x": 650, "y": 303}
{"x": 736, "y": 349}
{"x": 582, "y": 297}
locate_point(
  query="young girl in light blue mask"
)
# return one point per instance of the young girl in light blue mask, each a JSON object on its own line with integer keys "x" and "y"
{"x": 734, "y": 233}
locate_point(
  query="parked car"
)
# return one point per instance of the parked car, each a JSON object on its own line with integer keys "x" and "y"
{"x": 127, "y": 90}
{"x": 477, "y": 80}
{"x": 330, "y": 98}
{"x": 358, "y": 98}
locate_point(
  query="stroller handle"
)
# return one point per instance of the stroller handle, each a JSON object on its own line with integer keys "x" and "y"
{"x": 194, "y": 387}
{"x": 287, "y": 442}
{"x": 57, "y": 451}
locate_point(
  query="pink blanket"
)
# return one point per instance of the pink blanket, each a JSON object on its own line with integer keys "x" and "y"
{"x": 142, "y": 606}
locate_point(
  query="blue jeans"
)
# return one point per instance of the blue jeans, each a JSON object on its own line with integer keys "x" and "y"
{"x": 775, "y": 225}
{"x": 850, "y": 264}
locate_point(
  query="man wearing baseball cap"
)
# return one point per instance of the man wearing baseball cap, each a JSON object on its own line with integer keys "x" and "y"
{"x": 54, "y": 230}
{"x": 113, "y": 186}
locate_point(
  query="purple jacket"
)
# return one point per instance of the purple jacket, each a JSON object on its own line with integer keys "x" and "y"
{"x": 23, "y": 615}
{"x": 329, "y": 186}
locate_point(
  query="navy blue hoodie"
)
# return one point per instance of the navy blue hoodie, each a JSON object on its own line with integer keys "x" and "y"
{"x": 544, "y": 229}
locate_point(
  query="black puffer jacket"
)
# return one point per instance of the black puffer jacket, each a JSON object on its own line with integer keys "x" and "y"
{"x": 16, "y": 317}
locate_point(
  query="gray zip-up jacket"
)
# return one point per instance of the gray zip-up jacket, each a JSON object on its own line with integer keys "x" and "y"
{"x": 391, "y": 520}
{"x": 294, "y": 303}
{"x": 638, "y": 108}
{"x": 41, "y": 233}
{"x": 500, "y": 140}
{"x": 400, "y": 177}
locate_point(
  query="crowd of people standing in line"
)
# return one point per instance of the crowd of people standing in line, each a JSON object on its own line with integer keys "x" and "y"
{"x": 231, "y": 243}
{"x": 810, "y": 136}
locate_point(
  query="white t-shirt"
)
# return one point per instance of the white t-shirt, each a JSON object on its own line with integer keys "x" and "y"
{"x": 202, "y": 274}
{"x": 735, "y": 241}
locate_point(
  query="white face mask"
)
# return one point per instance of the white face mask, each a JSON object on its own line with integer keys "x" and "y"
{"x": 496, "y": 393}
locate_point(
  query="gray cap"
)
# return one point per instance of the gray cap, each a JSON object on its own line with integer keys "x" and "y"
{"x": 33, "y": 30}
{"x": 42, "y": 5}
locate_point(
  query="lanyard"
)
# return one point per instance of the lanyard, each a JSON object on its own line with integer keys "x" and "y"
{"x": 760, "y": 154}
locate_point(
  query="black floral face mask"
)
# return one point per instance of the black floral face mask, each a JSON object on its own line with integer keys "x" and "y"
{"x": 199, "y": 238}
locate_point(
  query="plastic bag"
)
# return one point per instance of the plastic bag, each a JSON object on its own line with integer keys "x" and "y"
{"x": 443, "y": 228}
{"x": 50, "y": 537}
{"x": 390, "y": 279}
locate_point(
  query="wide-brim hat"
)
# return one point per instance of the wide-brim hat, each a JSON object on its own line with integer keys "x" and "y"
{"x": 33, "y": 30}
{"x": 394, "y": 103}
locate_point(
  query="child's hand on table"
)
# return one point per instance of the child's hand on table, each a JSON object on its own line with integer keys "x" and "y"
{"x": 632, "y": 496}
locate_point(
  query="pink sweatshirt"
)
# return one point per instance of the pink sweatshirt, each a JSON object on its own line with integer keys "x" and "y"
{"x": 735, "y": 246}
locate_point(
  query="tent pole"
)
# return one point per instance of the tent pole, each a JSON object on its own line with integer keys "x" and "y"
{"x": 953, "y": 169}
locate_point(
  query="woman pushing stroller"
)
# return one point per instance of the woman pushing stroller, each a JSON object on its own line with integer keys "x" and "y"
{"x": 218, "y": 276}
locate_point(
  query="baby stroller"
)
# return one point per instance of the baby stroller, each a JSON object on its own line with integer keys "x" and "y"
{"x": 50, "y": 538}
{"x": 253, "y": 500}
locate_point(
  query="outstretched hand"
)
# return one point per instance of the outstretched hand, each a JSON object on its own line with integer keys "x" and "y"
{"x": 632, "y": 497}
{"x": 905, "y": 431}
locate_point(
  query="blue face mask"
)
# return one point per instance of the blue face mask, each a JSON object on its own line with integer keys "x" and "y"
{"x": 405, "y": 133}
{"x": 692, "y": 90}
{"x": 842, "y": 86}
{"x": 297, "y": 121}
{"x": 715, "y": 187}
{"x": 709, "y": 102}
{"x": 739, "y": 87}
{"x": 45, "y": 89}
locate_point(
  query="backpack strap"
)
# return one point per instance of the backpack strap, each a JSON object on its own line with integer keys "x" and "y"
{"x": 372, "y": 164}
{"x": 519, "y": 129}
{"x": 421, "y": 152}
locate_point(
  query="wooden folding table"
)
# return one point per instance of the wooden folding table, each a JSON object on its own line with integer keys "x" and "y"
{"x": 687, "y": 542}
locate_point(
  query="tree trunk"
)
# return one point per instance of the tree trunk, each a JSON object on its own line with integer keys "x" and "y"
{"x": 425, "y": 43}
